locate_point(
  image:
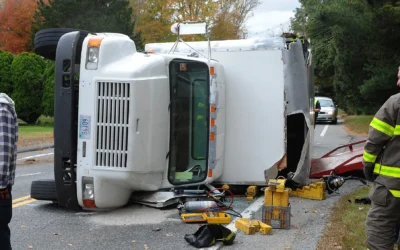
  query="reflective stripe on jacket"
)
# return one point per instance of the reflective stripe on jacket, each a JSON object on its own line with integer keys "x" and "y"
{"x": 317, "y": 106}
{"x": 383, "y": 145}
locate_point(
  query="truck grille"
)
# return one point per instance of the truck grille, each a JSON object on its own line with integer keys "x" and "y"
{"x": 112, "y": 124}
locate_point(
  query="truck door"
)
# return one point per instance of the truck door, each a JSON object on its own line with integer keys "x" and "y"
{"x": 189, "y": 124}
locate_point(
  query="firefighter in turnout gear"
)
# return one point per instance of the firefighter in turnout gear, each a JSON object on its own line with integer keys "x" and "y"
{"x": 382, "y": 167}
{"x": 317, "y": 109}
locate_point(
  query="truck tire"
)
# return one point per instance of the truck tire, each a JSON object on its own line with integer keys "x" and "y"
{"x": 46, "y": 42}
{"x": 44, "y": 190}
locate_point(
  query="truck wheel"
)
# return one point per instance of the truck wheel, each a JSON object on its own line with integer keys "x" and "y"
{"x": 44, "y": 190}
{"x": 334, "y": 121}
{"x": 46, "y": 42}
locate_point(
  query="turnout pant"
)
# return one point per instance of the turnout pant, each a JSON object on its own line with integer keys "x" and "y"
{"x": 382, "y": 218}
{"x": 315, "y": 118}
{"x": 5, "y": 218}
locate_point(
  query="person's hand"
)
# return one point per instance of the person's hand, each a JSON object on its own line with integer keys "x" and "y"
{"x": 369, "y": 171}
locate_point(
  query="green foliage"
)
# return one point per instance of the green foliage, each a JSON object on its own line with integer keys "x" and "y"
{"x": 354, "y": 43}
{"x": 21, "y": 122}
{"x": 45, "y": 121}
{"x": 5, "y": 74}
{"x": 91, "y": 15}
{"x": 48, "y": 88}
{"x": 27, "y": 74}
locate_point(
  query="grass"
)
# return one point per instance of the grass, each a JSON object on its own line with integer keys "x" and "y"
{"x": 32, "y": 130}
{"x": 358, "y": 125}
{"x": 346, "y": 226}
{"x": 33, "y": 135}
{"x": 341, "y": 112}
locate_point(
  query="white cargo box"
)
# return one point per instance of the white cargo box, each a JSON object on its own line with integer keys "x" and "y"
{"x": 269, "y": 106}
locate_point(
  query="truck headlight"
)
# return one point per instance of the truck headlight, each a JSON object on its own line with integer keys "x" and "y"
{"x": 88, "y": 192}
{"x": 92, "y": 57}
{"x": 330, "y": 112}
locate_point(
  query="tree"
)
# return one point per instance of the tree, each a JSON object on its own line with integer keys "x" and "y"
{"x": 91, "y": 15}
{"x": 27, "y": 76}
{"x": 154, "y": 19}
{"x": 5, "y": 74}
{"x": 234, "y": 13}
{"x": 384, "y": 54}
{"x": 226, "y": 18}
{"x": 48, "y": 89}
{"x": 353, "y": 46}
{"x": 15, "y": 25}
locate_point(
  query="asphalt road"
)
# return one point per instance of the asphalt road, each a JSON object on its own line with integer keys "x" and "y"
{"x": 42, "y": 225}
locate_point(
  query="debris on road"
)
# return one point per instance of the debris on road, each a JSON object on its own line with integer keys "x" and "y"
{"x": 276, "y": 208}
{"x": 210, "y": 210}
{"x": 30, "y": 161}
{"x": 314, "y": 191}
{"x": 362, "y": 201}
{"x": 249, "y": 226}
{"x": 208, "y": 235}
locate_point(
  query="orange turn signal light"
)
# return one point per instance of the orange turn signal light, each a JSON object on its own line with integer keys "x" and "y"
{"x": 212, "y": 71}
{"x": 95, "y": 41}
{"x": 212, "y": 108}
{"x": 89, "y": 203}
{"x": 212, "y": 136}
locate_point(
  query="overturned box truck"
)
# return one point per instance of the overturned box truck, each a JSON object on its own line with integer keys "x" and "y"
{"x": 178, "y": 115}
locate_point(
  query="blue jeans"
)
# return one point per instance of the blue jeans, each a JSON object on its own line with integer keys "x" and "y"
{"x": 5, "y": 218}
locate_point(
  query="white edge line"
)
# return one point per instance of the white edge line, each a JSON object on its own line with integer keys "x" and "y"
{"x": 324, "y": 130}
{"x": 22, "y": 175}
{"x": 33, "y": 156}
{"x": 247, "y": 213}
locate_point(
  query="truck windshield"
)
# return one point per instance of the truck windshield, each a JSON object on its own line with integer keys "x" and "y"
{"x": 189, "y": 110}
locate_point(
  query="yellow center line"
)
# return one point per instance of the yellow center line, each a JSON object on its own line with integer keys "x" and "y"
{"x": 22, "y": 201}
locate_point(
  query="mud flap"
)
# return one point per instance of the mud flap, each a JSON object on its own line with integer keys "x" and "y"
{"x": 65, "y": 120}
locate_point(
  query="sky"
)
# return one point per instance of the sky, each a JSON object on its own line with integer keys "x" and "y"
{"x": 270, "y": 15}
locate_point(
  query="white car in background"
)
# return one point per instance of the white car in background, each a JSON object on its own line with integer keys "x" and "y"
{"x": 329, "y": 110}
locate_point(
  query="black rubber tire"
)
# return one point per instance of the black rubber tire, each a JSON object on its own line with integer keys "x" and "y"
{"x": 46, "y": 42}
{"x": 334, "y": 121}
{"x": 44, "y": 190}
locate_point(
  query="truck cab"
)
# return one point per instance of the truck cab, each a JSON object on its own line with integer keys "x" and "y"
{"x": 146, "y": 121}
